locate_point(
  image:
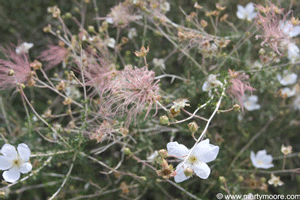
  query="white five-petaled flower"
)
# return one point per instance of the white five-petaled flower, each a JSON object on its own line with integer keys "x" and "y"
{"x": 286, "y": 150}
{"x": 15, "y": 162}
{"x": 23, "y": 48}
{"x": 289, "y": 29}
{"x": 250, "y": 103}
{"x": 261, "y": 159}
{"x": 211, "y": 82}
{"x": 111, "y": 42}
{"x": 287, "y": 92}
{"x": 246, "y": 12}
{"x": 275, "y": 180}
{"x": 293, "y": 52}
{"x": 200, "y": 155}
{"x": 132, "y": 33}
{"x": 159, "y": 62}
{"x": 179, "y": 104}
{"x": 287, "y": 78}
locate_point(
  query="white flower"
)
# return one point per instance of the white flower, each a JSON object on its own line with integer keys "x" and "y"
{"x": 159, "y": 63}
{"x": 275, "y": 180}
{"x": 179, "y": 104}
{"x": 15, "y": 162}
{"x": 287, "y": 92}
{"x": 201, "y": 154}
{"x": 293, "y": 52}
{"x": 132, "y": 33}
{"x": 246, "y": 12}
{"x": 165, "y": 6}
{"x": 289, "y": 29}
{"x": 250, "y": 103}
{"x": 23, "y": 48}
{"x": 287, "y": 79}
{"x": 109, "y": 20}
{"x": 261, "y": 159}
{"x": 211, "y": 82}
{"x": 73, "y": 92}
{"x": 286, "y": 150}
{"x": 111, "y": 42}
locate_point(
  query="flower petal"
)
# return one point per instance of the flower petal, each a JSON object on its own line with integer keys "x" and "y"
{"x": 12, "y": 175}
{"x": 25, "y": 168}
{"x": 249, "y": 7}
{"x": 4, "y": 163}
{"x": 24, "y": 152}
{"x": 9, "y": 152}
{"x": 295, "y": 32}
{"x": 180, "y": 176}
{"x": 202, "y": 170}
{"x": 178, "y": 150}
{"x": 206, "y": 152}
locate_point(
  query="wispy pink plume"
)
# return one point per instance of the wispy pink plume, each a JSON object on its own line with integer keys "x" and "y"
{"x": 130, "y": 92}
{"x": 238, "y": 86}
{"x": 270, "y": 20}
{"x": 53, "y": 55}
{"x": 19, "y": 64}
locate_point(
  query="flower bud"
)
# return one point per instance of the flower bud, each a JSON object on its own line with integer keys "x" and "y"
{"x": 263, "y": 179}
{"x": 193, "y": 127}
{"x": 241, "y": 178}
{"x": 261, "y": 51}
{"x": 188, "y": 172}
{"x": 126, "y": 151}
{"x": 203, "y": 23}
{"x": 10, "y": 72}
{"x": 91, "y": 29}
{"x": 236, "y": 107}
{"x": 164, "y": 119}
{"x": 222, "y": 179}
{"x": 163, "y": 153}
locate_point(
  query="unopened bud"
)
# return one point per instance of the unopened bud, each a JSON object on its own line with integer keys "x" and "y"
{"x": 188, "y": 172}
{"x": 203, "y": 23}
{"x": 10, "y": 72}
{"x": 263, "y": 179}
{"x": 164, "y": 119}
{"x": 163, "y": 153}
{"x": 236, "y": 107}
{"x": 222, "y": 179}
{"x": 126, "y": 151}
{"x": 91, "y": 29}
{"x": 241, "y": 178}
{"x": 193, "y": 127}
{"x": 261, "y": 51}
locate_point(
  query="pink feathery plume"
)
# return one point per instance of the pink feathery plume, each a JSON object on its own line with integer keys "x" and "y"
{"x": 270, "y": 20}
{"x": 53, "y": 55}
{"x": 129, "y": 92}
{"x": 15, "y": 70}
{"x": 238, "y": 86}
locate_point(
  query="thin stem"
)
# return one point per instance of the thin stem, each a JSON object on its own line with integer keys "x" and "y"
{"x": 205, "y": 129}
{"x": 65, "y": 180}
